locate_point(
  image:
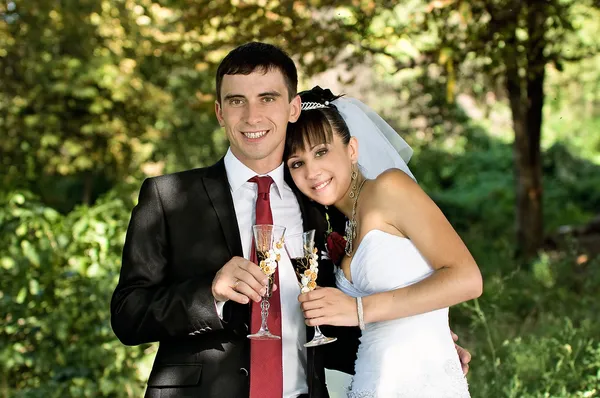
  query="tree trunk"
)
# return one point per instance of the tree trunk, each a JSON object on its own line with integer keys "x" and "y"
{"x": 88, "y": 188}
{"x": 526, "y": 95}
{"x": 529, "y": 225}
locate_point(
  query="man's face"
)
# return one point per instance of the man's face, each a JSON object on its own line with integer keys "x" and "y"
{"x": 255, "y": 111}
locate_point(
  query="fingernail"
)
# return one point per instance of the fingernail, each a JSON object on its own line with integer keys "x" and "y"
{"x": 246, "y": 300}
{"x": 265, "y": 281}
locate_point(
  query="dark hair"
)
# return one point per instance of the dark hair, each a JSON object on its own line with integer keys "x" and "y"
{"x": 253, "y": 56}
{"x": 316, "y": 126}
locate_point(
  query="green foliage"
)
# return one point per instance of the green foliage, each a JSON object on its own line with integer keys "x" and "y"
{"x": 572, "y": 114}
{"x": 475, "y": 188}
{"x": 534, "y": 334}
{"x": 56, "y": 278}
{"x": 89, "y": 92}
{"x": 571, "y": 186}
{"x": 70, "y": 108}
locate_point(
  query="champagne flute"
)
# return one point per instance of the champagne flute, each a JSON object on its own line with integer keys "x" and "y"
{"x": 268, "y": 241}
{"x": 303, "y": 255}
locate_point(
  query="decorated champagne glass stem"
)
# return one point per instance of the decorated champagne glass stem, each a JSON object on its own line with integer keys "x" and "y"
{"x": 304, "y": 256}
{"x": 268, "y": 241}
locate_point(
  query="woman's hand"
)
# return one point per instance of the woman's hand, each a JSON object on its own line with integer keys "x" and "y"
{"x": 328, "y": 306}
{"x": 463, "y": 355}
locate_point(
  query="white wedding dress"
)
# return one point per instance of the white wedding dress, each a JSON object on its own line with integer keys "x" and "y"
{"x": 412, "y": 357}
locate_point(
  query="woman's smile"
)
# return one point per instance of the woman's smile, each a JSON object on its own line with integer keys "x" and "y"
{"x": 321, "y": 185}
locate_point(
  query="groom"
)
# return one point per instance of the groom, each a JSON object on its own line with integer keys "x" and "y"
{"x": 185, "y": 278}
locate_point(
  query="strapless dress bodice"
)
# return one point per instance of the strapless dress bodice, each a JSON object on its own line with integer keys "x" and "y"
{"x": 408, "y": 357}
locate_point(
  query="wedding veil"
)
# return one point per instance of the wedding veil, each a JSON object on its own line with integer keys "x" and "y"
{"x": 379, "y": 146}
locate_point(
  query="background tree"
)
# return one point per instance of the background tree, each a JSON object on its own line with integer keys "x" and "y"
{"x": 512, "y": 43}
{"x": 87, "y": 98}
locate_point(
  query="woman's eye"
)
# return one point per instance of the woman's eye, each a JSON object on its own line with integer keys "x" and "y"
{"x": 295, "y": 165}
{"x": 321, "y": 152}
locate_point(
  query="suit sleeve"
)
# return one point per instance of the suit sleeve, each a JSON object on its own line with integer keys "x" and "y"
{"x": 146, "y": 306}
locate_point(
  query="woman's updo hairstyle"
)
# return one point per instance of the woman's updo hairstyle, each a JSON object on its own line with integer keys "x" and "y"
{"x": 318, "y": 121}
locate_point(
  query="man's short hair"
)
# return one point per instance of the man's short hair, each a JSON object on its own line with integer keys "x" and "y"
{"x": 254, "y": 56}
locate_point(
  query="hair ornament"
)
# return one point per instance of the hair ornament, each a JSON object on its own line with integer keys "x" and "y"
{"x": 307, "y": 106}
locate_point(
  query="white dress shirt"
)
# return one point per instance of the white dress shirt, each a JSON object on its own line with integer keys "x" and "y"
{"x": 286, "y": 212}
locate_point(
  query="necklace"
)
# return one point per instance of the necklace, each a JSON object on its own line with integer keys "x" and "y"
{"x": 352, "y": 225}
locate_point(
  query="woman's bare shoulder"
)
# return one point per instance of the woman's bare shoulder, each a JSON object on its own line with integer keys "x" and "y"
{"x": 385, "y": 201}
{"x": 391, "y": 181}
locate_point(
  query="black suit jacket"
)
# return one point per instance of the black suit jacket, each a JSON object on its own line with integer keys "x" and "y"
{"x": 182, "y": 231}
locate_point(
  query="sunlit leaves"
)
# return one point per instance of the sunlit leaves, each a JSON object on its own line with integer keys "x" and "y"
{"x": 56, "y": 277}
{"x": 86, "y": 96}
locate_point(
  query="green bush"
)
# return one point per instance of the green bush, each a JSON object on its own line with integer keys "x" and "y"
{"x": 535, "y": 333}
{"x": 475, "y": 188}
{"x": 56, "y": 278}
{"x": 561, "y": 362}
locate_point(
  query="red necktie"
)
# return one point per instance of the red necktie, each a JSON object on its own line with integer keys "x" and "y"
{"x": 266, "y": 369}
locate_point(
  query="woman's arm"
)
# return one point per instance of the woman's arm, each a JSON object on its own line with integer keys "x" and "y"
{"x": 406, "y": 208}
{"x": 456, "y": 277}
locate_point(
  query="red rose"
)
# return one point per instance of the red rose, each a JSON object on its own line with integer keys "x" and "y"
{"x": 336, "y": 247}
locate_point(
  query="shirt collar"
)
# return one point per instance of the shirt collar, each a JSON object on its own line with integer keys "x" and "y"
{"x": 238, "y": 173}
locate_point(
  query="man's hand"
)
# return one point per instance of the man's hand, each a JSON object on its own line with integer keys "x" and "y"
{"x": 328, "y": 306}
{"x": 239, "y": 280}
{"x": 463, "y": 355}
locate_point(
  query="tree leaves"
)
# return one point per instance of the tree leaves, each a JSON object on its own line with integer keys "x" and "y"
{"x": 56, "y": 279}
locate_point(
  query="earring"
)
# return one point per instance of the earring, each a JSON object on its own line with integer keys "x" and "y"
{"x": 353, "y": 176}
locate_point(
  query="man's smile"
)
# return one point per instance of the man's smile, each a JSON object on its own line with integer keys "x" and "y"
{"x": 253, "y": 135}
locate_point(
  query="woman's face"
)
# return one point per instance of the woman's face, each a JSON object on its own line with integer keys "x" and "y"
{"x": 323, "y": 172}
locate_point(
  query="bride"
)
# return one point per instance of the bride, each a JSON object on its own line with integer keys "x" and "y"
{"x": 404, "y": 263}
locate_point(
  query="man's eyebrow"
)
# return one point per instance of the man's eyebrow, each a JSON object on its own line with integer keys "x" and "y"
{"x": 270, "y": 94}
{"x": 231, "y": 96}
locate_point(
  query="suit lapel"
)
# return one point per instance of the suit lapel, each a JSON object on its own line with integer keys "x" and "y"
{"x": 217, "y": 189}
